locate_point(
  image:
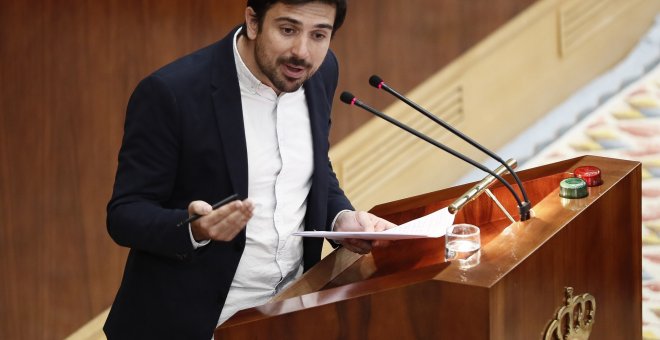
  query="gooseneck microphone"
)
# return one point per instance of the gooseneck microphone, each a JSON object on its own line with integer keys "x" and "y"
{"x": 350, "y": 99}
{"x": 525, "y": 207}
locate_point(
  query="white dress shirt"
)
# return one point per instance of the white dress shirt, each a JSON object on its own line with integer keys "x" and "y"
{"x": 280, "y": 166}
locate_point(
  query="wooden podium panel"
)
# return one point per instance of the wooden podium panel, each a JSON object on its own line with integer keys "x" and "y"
{"x": 407, "y": 290}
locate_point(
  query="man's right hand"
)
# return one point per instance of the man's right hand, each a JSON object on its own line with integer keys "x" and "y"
{"x": 222, "y": 224}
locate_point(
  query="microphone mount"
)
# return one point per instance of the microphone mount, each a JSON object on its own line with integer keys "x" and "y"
{"x": 524, "y": 207}
{"x": 350, "y": 99}
{"x": 479, "y": 188}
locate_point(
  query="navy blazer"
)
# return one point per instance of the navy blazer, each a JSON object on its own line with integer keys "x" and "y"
{"x": 184, "y": 140}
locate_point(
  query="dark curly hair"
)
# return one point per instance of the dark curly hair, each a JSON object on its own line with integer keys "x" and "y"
{"x": 260, "y": 7}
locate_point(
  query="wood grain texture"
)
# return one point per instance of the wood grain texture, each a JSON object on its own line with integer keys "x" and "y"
{"x": 405, "y": 42}
{"x": 67, "y": 70}
{"x": 592, "y": 244}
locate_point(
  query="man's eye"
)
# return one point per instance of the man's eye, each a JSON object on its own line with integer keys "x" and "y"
{"x": 288, "y": 30}
{"x": 319, "y": 36}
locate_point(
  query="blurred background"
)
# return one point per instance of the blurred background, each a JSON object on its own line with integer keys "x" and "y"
{"x": 67, "y": 69}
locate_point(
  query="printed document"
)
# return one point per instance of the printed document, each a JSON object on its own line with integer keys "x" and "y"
{"x": 432, "y": 225}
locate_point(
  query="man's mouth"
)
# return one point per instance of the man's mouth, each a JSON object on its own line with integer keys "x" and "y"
{"x": 294, "y": 68}
{"x": 293, "y": 71}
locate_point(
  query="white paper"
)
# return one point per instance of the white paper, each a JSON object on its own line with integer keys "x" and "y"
{"x": 432, "y": 225}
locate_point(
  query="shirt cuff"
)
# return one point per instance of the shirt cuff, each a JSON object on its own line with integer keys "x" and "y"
{"x": 202, "y": 243}
{"x": 332, "y": 226}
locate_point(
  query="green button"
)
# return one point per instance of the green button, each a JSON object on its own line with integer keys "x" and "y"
{"x": 573, "y": 188}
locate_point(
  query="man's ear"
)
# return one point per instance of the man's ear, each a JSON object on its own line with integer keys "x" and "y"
{"x": 251, "y": 23}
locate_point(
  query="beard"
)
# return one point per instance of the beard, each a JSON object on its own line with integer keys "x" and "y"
{"x": 272, "y": 69}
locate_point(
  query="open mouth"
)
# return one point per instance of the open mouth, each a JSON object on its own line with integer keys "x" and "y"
{"x": 293, "y": 71}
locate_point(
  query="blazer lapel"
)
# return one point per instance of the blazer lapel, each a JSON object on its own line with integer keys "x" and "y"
{"x": 319, "y": 108}
{"x": 229, "y": 114}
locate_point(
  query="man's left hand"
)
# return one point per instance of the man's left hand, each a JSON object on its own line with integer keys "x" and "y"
{"x": 361, "y": 221}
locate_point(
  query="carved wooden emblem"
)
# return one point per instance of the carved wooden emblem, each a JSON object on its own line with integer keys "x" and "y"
{"x": 574, "y": 320}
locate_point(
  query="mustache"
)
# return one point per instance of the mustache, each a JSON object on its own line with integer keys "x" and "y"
{"x": 294, "y": 61}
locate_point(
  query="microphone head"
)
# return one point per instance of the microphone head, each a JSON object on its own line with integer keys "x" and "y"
{"x": 376, "y": 81}
{"x": 347, "y": 98}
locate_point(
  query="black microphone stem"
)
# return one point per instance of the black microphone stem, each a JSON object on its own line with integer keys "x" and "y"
{"x": 355, "y": 101}
{"x": 377, "y": 82}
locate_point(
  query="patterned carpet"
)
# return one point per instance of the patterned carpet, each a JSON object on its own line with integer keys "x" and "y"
{"x": 626, "y": 126}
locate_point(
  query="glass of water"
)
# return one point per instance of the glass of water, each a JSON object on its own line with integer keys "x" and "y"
{"x": 463, "y": 244}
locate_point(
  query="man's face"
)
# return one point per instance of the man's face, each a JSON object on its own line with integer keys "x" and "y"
{"x": 292, "y": 43}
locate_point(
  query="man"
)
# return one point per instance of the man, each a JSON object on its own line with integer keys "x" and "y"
{"x": 247, "y": 115}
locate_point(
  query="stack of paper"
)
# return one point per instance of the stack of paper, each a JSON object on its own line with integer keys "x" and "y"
{"x": 430, "y": 226}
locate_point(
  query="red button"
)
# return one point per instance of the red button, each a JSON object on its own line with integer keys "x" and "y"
{"x": 589, "y": 174}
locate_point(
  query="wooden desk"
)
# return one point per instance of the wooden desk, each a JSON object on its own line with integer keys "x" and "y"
{"x": 407, "y": 290}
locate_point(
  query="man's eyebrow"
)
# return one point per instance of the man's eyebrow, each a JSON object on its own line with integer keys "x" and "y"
{"x": 299, "y": 23}
{"x": 326, "y": 26}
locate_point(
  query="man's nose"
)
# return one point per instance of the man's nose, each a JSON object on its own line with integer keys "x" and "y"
{"x": 300, "y": 48}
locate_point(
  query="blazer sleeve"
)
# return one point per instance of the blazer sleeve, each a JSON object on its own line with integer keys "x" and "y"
{"x": 137, "y": 215}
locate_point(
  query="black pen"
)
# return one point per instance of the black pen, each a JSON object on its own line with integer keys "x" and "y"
{"x": 215, "y": 206}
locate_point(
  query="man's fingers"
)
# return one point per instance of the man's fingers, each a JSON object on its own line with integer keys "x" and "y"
{"x": 216, "y": 216}
{"x": 230, "y": 225}
{"x": 358, "y": 246}
{"x": 382, "y": 224}
{"x": 356, "y": 250}
{"x": 222, "y": 224}
{"x": 364, "y": 219}
{"x": 237, "y": 219}
{"x": 381, "y": 243}
{"x": 199, "y": 208}
{"x": 248, "y": 205}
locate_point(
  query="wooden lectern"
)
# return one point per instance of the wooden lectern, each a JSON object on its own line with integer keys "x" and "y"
{"x": 408, "y": 291}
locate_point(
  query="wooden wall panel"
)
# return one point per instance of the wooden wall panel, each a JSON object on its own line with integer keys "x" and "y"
{"x": 406, "y": 42}
{"x": 66, "y": 71}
